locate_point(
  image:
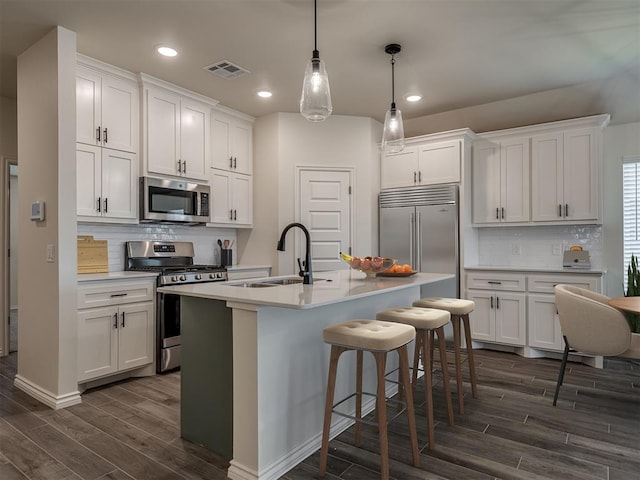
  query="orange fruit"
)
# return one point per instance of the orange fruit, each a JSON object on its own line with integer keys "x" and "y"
{"x": 406, "y": 268}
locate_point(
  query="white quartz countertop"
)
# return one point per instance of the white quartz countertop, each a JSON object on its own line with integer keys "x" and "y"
{"x": 122, "y": 275}
{"x": 328, "y": 288}
{"x": 538, "y": 269}
{"x": 247, "y": 267}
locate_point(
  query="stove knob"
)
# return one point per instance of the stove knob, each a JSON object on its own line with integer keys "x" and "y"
{"x": 183, "y": 278}
{"x": 219, "y": 275}
{"x": 174, "y": 278}
{"x": 212, "y": 275}
{"x": 198, "y": 276}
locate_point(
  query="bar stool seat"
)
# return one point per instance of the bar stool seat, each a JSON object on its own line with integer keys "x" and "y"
{"x": 379, "y": 338}
{"x": 460, "y": 310}
{"x": 426, "y": 321}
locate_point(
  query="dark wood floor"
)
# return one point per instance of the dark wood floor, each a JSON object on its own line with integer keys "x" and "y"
{"x": 131, "y": 430}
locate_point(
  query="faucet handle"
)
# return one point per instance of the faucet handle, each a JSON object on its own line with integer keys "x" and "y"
{"x": 300, "y": 263}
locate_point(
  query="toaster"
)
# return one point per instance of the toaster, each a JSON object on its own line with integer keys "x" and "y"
{"x": 576, "y": 259}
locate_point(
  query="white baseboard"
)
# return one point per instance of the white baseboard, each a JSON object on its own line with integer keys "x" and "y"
{"x": 55, "y": 402}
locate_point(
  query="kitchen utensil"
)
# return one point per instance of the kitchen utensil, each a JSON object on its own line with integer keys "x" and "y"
{"x": 220, "y": 243}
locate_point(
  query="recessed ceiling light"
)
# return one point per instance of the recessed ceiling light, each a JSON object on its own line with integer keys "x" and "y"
{"x": 413, "y": 98}
{"x": 166, "y": 51}
{"x": 264, "y": 94}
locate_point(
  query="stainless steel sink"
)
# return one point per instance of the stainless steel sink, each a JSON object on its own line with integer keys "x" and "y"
{"x": 285, "y": 281}
{"x": 254, "y": 285}
{"x": 271, "y": 282}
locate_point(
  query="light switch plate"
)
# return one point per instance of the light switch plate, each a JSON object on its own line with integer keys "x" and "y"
{"x": 51, "y": 253}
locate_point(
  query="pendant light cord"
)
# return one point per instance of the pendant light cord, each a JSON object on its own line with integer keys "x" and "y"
{"x": 315, "y": 25}
{"x": 393, "y": 82}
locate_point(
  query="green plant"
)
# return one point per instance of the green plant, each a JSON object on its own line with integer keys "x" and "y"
{"x": 633, "y": 290}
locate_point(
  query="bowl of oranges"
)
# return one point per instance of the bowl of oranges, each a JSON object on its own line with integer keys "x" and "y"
{"x": 371, "y": 266}
{"x": 398, "y": 270}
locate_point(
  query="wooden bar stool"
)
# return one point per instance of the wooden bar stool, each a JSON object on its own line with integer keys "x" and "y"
{"x": 426, "y": 321}
{"x": 379, "y": 338}
{"x": 459, "y": 310}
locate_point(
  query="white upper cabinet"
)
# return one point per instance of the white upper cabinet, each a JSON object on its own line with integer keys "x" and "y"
{"x": 232, "y": 195}
{"x": 232, "y": 144}
{"x": 106, "y": 185}
{"x": 566, "y": 176}
{"x": 177, "y": 139}
{"x": 425, "y": 163}
{"x": 501, "y": 181}
{"x": 106, "y": 110}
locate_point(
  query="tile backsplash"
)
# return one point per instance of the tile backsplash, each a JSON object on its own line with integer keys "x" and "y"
{"x": 204, "y": 239}
{"x": 537, "y": 246}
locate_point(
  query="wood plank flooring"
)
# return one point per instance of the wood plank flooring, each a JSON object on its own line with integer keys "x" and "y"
{"x": 130, "y": 430}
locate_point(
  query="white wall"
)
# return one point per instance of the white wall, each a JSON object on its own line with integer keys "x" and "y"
{"x": 619, "y": 141}
{"x": 47, "y": 292}
{"x": 284, "y": 141}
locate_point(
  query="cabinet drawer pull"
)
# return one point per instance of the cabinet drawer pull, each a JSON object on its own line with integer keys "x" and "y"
{"x": 503, "y": 213}
{"x": 115, "y": 320}
{"x": 235, "y": 214}
{"x": 184, "y": 166}
{"x": 497, "y": 305}
{"x": 179, "y": 166}
{"x": 419, "y": 177}
{"x": 566, "y": 209}
{"x": 230, "y": 162}
{"x": 122, "y": 324}
{"x": 494, "y": 282}
{"x": 559, "y": 210}
{"x": 106, "y": 138}
{"x": 99, "y": 205}
{"x": 497, "y": 213}
{"x": 106, "y": 205}
{"x": 113, "y": 295}
{"x": 415, "y": 176}
{"x": 491, "y": 301}
{"x": 98, "y": 134}
{"x": 235, "y": 162}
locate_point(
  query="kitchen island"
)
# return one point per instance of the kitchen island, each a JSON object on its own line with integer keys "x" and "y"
{"x": 254, "y": 365}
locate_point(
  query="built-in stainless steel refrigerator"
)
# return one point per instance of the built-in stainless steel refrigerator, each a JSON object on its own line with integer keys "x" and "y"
{"x": 419, "y": 226}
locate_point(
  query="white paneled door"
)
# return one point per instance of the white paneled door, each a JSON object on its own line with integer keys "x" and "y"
{"x": 325, "y": 209}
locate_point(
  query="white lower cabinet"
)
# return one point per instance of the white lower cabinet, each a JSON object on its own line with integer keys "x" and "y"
{"x": 542, "y": 318}
{"x": 499, "y": 315}
{"x": 115, "y": 327}
{"x": 519, "y": 309}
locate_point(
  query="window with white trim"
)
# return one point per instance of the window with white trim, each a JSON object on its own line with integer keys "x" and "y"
{"x": 631, "y": 210}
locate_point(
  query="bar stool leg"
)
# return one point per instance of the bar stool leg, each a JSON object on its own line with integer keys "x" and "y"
{"x": 358, "y": 396}
{"x": 445, "y": 373}
{"x": 331, "y": 388}
{"x": 381, "y": 409}
{"x": 455, "y": 321}
{"x": 472, "y": 367}
{"x": 416, "y": 358}
{"x": 403, "y": 357}
{"x": 428, "y": 384}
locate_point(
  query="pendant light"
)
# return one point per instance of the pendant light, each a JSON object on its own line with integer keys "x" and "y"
{"x": 393, "y": 131}
{"x": 315, "y": 102}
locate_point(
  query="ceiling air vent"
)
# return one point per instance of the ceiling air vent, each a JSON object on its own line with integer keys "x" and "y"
{"x": 226, "y": 69}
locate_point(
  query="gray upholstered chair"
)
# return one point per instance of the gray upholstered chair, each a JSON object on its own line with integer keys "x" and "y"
{"x": 589, "y": 325}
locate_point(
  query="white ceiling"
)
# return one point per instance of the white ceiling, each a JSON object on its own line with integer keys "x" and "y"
{"x": 456, "y": 53}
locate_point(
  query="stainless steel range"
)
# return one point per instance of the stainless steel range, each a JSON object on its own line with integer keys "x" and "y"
{"x": 174, "y": 263}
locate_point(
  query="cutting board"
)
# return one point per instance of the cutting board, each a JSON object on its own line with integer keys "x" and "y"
{"x": 92, "y": 255}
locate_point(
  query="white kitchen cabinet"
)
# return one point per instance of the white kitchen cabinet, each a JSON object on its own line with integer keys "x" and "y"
{"x": 177, "y": 136}
{"x": 566, "y": 176}
{"x": 499, "y": 315}
{"x": 106, "y": 184}
{"x": 115, "y": 327}
{"x": 107, "y": 109}
{"x": 232, "y": 199}
{"x": 423, "y": 164}
{"x": 542, "y": 318}
{"x": 501, "y": 181}
{"x": 232, "y": 143}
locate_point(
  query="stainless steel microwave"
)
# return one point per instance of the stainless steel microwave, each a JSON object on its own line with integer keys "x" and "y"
{"x": 177, "y": 201}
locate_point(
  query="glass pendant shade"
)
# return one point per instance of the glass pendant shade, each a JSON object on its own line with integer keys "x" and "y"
{"x": 315, "y": 102}
{"x": 393, "y": 131}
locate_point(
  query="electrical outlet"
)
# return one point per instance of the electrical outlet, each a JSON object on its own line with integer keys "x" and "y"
{"x": 556, "y": 249}
{"x": 51, "y": 253}
{"x": 515, "y": 249}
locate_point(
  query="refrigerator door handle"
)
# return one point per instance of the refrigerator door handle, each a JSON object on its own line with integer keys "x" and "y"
{"x": 418, "y": 265}
{"x": 411, "y": 235}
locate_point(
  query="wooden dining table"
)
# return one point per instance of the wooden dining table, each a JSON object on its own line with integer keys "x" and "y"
{"x": 629, "y": 304}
